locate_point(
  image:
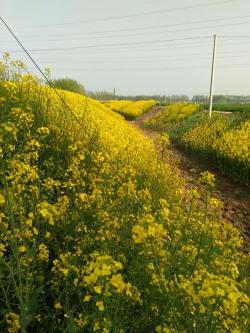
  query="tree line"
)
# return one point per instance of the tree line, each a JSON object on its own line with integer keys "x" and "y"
{"x": 77, "y": 87}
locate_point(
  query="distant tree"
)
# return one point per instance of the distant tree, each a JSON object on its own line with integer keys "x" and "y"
{"x": 68, "y": 84}
{"x": 200, "y": 99}
{"x": 220, "y": 99}
{"x": 101, "y": 95}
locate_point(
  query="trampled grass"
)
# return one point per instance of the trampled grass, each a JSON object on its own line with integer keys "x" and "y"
{"x": 97, "y": 234}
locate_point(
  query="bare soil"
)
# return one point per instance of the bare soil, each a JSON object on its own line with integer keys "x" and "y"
{"x": 235, "y": 197}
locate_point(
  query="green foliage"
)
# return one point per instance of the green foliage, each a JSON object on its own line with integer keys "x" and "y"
{"x": 68, "y": 84}
{"x": 101, "y": 95}
{"x": 230, "y": 107}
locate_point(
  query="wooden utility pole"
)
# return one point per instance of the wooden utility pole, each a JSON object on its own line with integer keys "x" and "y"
{"x": 212, "y": 78}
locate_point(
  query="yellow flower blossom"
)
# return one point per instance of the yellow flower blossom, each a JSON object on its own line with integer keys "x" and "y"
{"x": 47, "y": 235}
{"x": 43, "y": 254}
{"x": 117, "y": 282}
{"x": 207, "y": 178}
{"x": 87, "y": 298}
{"x": 98, "y": 289}
{"x": 2, "y": 199}
{"x": 13, "y": 322}
{"x": 22, "y": 248}
{"x": 2, "y": 249}
{"x": 43, "y": 130}
{"x": 65, "y": 271}
{"x": 100, "y": 305}
{"x": 57, "y": 306}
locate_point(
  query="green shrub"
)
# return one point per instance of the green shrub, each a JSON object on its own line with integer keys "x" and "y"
{"x": 68, "y": 84}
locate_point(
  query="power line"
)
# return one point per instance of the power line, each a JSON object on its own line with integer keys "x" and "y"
{"x": 141, "y": 34}
{"x": 232, "y": 53}
{"x": 115, "y": 44}
{"x": 132, "y": 45}
{"x": 202, "y": 56}
{"x": 122, "y": 59}
{"x": 154, "y": 68}
{"x": 142, "y": 28}
{"x": 168, "y": 10}
{"x": 134, "y": 48}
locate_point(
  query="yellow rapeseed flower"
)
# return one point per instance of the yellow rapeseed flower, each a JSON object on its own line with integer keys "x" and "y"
{"x": 22, "y": 248}
{"x": 2, "y": 249}
{"x": 13, "y": 322}
{"x": 57, "y": 306}
{"x": 87, "y": 298}
{"x": 98, "y": 289}
{"x": 2, "y": 199}
{"x": 43, "y": 254}
{"x": 100, "y": 305}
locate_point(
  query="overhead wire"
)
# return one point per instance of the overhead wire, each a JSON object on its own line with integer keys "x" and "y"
{"x": 149, "y": 27}
{"x": 112, "y": 69}
{"x": 116, "y": 44}
{"x": 159, "y": 11}
{"x": 202, "y": 56}
{"x": 141, "y": 34}
{"x": 135, "y": 46}
{"x": 142, "y": 44}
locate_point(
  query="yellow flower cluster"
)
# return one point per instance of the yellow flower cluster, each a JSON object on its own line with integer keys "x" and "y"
{"x": 235, "y": 144}
{"x": 207, "y": 178}
{"x": 129, "y": 109}
{"x": 96, "y": 232}
{"x": 43, "y": 254}
{"x": 12, "y": 320}
{"x": 217, "y": 296}
{"x": 227, "y": 144}
{"x": 201, "y": 137}
{"x": 223, "y": 140}
{"x": 101, "y": 278}
{"x": 170, "y": 115}
{"x": 147, "y": 228}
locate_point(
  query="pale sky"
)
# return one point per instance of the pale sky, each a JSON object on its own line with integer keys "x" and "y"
{"x": 135, "y": 46}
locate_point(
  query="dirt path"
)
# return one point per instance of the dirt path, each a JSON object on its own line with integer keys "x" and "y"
{"x": 235, "y": 197}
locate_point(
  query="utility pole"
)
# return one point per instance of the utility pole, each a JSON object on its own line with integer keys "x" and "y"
{"x": 212, "y": 78}
{"x": 114, "y": 92}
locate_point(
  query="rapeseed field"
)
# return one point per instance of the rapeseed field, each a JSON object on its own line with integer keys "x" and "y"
{"x": 96, "y": 233}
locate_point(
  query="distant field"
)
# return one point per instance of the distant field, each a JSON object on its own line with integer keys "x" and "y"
{"x": 230, "y": 107}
